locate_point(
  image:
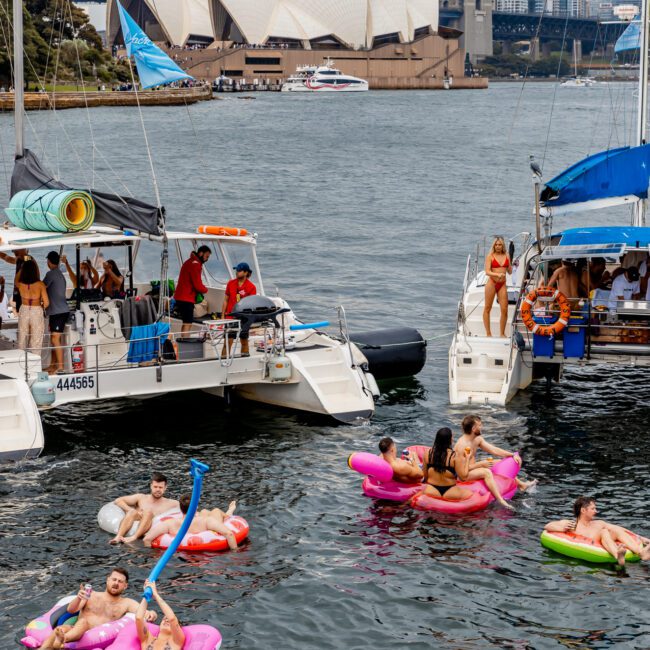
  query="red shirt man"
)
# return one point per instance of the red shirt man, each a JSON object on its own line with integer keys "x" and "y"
{"x": 238, "y": 289}
{"x": 189, "y": 284}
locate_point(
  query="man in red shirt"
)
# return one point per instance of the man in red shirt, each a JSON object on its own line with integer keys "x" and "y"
{"x": 189, "y": 285}
{"x": 236, "y": 290}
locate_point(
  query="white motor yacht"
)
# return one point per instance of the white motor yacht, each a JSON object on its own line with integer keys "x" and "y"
{"x": 323, "y": 78}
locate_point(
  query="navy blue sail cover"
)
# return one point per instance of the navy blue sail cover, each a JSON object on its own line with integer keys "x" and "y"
{"x": 609, "y": 174}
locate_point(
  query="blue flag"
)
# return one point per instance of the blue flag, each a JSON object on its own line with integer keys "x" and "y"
{"x": 630, "y": 39}
{"x": 155, "y": 68}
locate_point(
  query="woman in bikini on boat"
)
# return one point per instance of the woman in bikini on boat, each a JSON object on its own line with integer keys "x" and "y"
{"x": 497, "y": 264}
{"x": 443, "y": 467}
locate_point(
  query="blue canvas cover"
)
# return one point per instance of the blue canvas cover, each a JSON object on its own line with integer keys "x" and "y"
{"x": 608, "y": 174}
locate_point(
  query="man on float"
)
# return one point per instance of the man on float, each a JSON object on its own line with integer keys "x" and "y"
{"x": 206, "y": 520}
{"x": 237, "y": 289}
{"x": 404, "y": 471}
{"x": 614, "y": 539}
{"x": 189, "y": 286}
{"x": 96, "y": 608}
{"x": 143, "y": 508}
{"x": 480, "y": 470}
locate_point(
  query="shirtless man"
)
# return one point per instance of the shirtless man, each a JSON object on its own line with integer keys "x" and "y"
{"x": 404, "y": 471}
{"x": 615, "y": 539}
{"x": 143, "y": 508}
{"x": 100, "y": 608}
{"x": 472, "y": 437}
{"x": 566, "y": 280}
{"x": 205, "y": 520}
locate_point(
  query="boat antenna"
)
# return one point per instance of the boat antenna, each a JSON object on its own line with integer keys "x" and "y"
{"x": 19, "y": 77}
{"x": 642, "y": 107}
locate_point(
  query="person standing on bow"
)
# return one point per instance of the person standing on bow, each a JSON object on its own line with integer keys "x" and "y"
{"x": 237, "y": 289}
{"x": 189, "y": 286}
{"x": 497, "y": 264}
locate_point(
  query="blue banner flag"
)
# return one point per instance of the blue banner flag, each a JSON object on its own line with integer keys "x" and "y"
{"x": 155, "y": 68}
{"x": 630, "y": 39}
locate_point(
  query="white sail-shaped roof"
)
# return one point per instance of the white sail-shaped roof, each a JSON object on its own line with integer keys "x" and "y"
{"x": 354, "y": 22}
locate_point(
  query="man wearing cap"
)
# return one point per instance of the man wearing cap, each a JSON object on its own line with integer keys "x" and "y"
{"x": 625, "y": 286}
{"x": 58, "y": 310}
{"x": 189, "y": 285}
{"x": 237, "y": 289}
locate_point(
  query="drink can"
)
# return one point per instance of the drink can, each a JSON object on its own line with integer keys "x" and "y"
{"x": 89, "y": 589}
{"x": 405, "y": 453}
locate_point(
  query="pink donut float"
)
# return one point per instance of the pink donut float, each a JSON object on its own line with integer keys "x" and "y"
{"x": 207, "y": 540}
{"x": 197, "y": 637}
{"x": 95, "y": 639}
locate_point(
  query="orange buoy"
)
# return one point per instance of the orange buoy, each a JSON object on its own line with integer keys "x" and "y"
{"x": 222, "y": 230}
{"x": 559, "y": 324}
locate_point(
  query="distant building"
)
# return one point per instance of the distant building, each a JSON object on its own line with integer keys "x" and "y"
{"x": 512, "y": 6}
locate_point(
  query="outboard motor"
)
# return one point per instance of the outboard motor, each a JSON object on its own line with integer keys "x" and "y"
{"x": 392, "y": 353}
{"x": 256, "y": 309}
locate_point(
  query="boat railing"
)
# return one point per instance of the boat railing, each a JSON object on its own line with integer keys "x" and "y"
{"x": 92, "y": 360}
{"x": 344, "y": 331}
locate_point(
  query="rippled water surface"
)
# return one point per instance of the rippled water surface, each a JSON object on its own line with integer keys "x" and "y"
{"x": 375, "y": 201}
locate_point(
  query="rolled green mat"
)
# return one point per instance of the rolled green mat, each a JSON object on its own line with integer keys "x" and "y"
{"x": 51, "y": 210}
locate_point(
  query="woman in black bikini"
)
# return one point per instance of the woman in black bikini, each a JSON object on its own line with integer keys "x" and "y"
{"x": 443, "y": 468}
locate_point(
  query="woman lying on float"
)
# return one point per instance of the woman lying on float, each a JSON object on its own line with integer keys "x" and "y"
{"x": 209, "y": 530}
{"x": 594, "y": 540}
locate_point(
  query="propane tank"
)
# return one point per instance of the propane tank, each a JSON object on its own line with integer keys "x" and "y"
{"x": 279, "y": 368}
{"x": 43, "y": 390}
{"x": 77, "y": 352}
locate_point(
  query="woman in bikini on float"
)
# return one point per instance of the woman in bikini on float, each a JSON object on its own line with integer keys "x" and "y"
{"x": 497, "y": 264}
{"x": 170, "y": 635}
{"x": 443, "y": 468}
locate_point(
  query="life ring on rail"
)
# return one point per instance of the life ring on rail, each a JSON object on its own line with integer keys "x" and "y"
{"x": 527, "y": 313}
{"x": 222, "y": 230}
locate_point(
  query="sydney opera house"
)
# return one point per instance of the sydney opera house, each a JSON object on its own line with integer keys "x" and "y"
{"x": 393, "y": 43}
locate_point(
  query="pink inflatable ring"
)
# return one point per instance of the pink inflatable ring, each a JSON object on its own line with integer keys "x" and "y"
{"x": 97, "y": 638}
{"x": 197, "y": 637}
{"x": 207, "y": 540}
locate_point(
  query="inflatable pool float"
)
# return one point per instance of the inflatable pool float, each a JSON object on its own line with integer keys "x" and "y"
{"x": 110, "y": 517}
{"x": 95, "y": 639}
{"x": 379, "y": 483}
{"x": 197, "y": 637}
{"x": 207, "y": 540}
{"x": 582, "y": 548}
{"x": 504, "y": 472}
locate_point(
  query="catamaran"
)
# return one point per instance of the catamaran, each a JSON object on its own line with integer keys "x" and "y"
{"x": 130, "y": 344}
{"x": 548, "y": 331}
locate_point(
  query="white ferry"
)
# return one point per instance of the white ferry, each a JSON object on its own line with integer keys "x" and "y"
{"x": 323, "y": 78}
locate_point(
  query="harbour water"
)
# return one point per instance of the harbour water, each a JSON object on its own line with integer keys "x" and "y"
{"x": 372, "y": 200}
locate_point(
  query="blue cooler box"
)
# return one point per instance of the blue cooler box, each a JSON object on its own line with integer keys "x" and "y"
{"x": 575, "y": 337}
{"x": 544, "y": 346}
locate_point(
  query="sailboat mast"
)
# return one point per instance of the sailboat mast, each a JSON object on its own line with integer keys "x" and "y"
{"x": 642, "y": 107}
{"x": 19, "y": 76}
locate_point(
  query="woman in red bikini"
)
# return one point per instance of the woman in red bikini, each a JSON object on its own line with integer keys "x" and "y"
{"x": 497, "y": 264}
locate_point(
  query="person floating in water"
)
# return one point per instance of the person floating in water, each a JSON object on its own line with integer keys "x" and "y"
{"x": 404, "y": 471}
{"x": 143, "y": 508}
{"x": 206, "y": 520}
{"x": 472, "y": 437}
{"x": 96, "y": 609}
{"x": 170, "y": 635}
{"x": 614, "y": 539}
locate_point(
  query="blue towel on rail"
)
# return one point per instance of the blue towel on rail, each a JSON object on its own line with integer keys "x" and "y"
{"x": 146, "y": 341}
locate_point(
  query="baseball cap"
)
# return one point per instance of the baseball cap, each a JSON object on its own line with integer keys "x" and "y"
{"x": 243, "y": 266}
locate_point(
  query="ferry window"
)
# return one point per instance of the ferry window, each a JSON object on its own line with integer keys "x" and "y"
{"x": 215, "y": 270}
{"x": 328, "y": 72}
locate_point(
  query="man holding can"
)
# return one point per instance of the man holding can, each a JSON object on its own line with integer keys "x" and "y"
{"x": 96, "y": 608}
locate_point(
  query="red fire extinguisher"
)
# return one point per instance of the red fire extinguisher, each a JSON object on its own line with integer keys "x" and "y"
{"x": 77, "y": 358}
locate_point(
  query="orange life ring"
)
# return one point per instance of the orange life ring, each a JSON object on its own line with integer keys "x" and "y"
{"x": 222, "y": 230}
{"x": 527, "y": 314}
